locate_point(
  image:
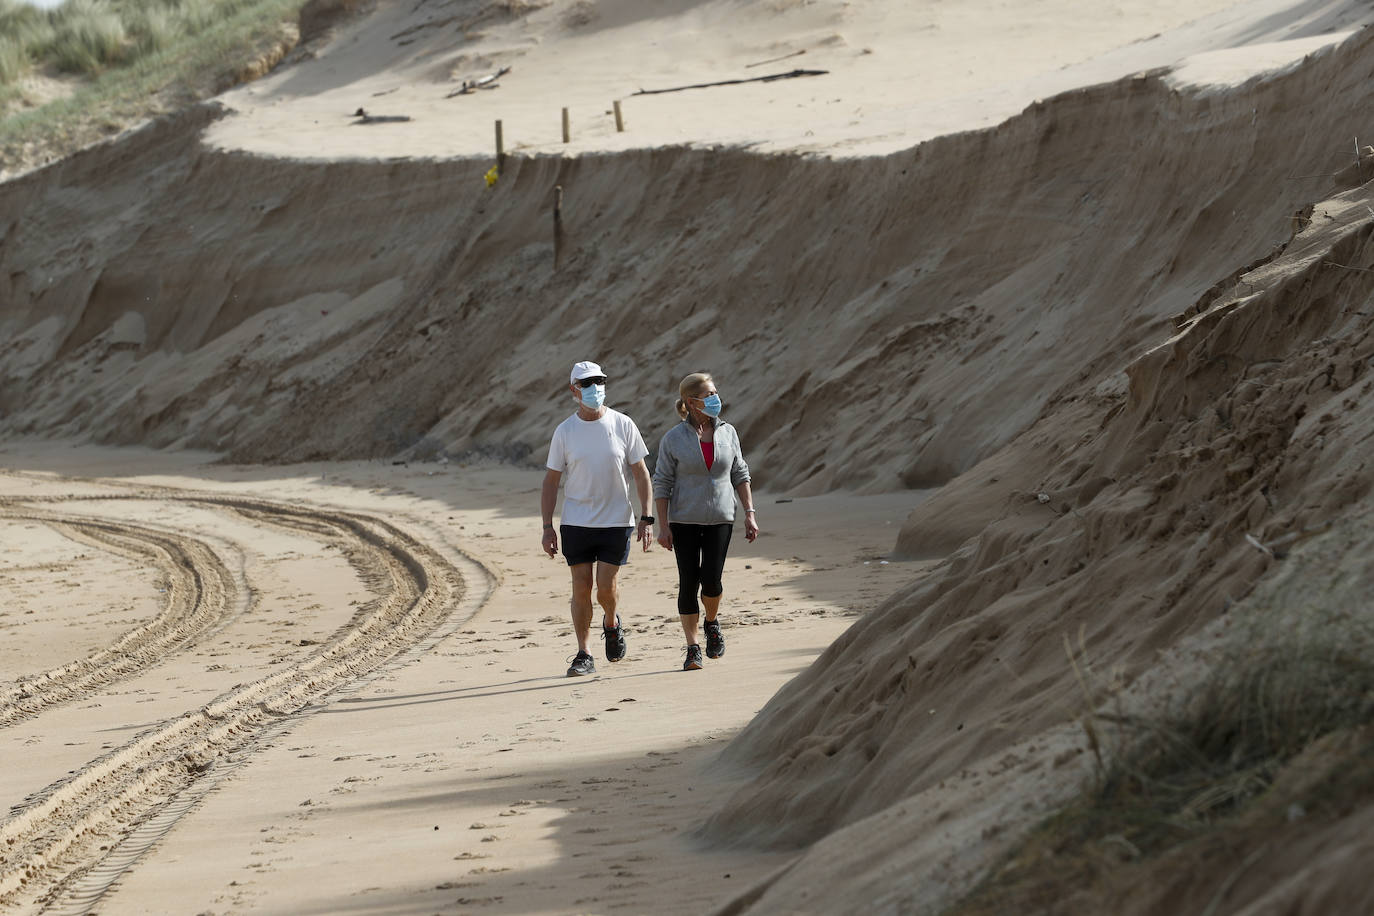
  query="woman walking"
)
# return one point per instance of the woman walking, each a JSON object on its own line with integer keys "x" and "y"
{"x": 699, "y": 463}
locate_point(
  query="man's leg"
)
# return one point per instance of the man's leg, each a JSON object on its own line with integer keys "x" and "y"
{"x": 582, "y": 603}
{"x": 607, "y": 593}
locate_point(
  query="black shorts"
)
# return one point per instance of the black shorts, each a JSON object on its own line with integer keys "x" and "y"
{"x": 601, "y": 545}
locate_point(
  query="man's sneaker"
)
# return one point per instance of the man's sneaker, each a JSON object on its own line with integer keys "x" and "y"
{"x": 715, "y": 640}
{"x": 582, "y": 663}
{"x": 693, "y": 660}
{"x": 615, "y": 641}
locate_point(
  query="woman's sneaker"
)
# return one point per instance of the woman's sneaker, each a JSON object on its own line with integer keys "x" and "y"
{"x": 582, "y": 663}
{"x": 715, "y": 641}
{"x": 693, "y": 661}
{"x": 615, "y": 641}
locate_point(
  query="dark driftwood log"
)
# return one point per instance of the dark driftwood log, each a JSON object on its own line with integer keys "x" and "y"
{"x": 757, "y": 79}
{"x": 365, "y": 118}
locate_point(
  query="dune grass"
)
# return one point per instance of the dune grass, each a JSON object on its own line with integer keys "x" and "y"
{"x": 132, "y": 59}
{"x": 91, "y": 36}
{"x": 1184, "y": 779}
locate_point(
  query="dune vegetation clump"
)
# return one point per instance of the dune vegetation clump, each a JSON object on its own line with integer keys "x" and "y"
{"x": 73, "y": 74}
{"x": 1277, "y": 731}
{"x": 88, "y": 37}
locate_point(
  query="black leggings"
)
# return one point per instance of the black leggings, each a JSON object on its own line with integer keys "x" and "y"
{"x": 700, "y": 552}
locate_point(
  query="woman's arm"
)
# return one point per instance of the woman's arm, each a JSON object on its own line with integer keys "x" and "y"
{"x": 751, "y": 518}
{"x": 665, "y": 534}
{"x": 665, "y": 479}
{"x": 739, "y": 468}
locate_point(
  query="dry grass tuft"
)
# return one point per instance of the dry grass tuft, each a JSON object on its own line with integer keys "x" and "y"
{"x": 134, "y": 60}
{"x": 1178, "y": 780}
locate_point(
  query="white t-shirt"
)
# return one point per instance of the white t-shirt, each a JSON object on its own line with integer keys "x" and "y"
{"x": 594, "y": 457}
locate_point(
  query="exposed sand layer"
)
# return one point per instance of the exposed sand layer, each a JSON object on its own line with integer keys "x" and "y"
{"x": 423, "y": 308}
{"x": 1099, "y": 374}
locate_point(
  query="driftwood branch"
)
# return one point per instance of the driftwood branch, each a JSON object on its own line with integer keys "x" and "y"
{"x": 485, "y": 82}
{"x": 774, "y": 60}
{"x": 757, "y": 79}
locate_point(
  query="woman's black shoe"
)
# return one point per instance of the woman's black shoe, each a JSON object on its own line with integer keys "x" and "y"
{"x": 715, "y": 641}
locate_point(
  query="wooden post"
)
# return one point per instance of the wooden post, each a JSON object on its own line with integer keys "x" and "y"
{"x": 557, "y": 224}
{"x": 567, "y": 130}
{"x": 619, "y": 119}
{"x": 500, "y": 149}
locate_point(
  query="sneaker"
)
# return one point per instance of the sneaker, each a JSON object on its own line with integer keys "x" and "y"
{"x": 582, "y": 663}
{"x": 715, "y": 640}
{"x": 615, "y": 641}
{"x": 693, "y": 660}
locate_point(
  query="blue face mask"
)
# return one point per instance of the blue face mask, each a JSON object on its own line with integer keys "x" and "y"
{"x": 711, "y": 405}
{"x": 594, "y": 397}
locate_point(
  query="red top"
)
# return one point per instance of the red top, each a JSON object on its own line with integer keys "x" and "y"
{"x": 708, "y": 451}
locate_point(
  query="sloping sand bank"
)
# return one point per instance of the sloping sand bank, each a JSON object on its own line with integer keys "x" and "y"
{"x": 983, "y": 275}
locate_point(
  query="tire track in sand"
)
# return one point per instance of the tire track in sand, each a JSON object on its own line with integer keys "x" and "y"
{"x": 57, "y": 844}
{"x": 201, "y": 593}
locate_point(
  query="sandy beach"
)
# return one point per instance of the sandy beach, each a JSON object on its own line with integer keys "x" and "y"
{"x": 460, "y": 768}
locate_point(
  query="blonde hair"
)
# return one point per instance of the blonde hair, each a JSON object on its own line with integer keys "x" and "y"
{"x": 689, "y": 388}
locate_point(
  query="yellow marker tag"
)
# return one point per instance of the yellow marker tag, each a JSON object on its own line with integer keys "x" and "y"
{"x": 492, "y": 175}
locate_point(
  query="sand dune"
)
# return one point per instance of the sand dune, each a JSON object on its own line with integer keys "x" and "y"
{"x": 1090, "y": 304}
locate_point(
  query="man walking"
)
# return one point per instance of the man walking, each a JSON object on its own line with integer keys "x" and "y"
{"x": 599, "y": 451}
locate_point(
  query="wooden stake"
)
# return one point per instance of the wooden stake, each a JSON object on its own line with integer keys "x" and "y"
{"x": 619, "y": 120}
{"x": 557, "y": 224}
{"x": 567, "y": 129}
{"x": 500, "y": 149}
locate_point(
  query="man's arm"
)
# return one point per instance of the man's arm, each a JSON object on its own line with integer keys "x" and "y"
{"x": 645, "y": 491}
{"x": 548, "y": 500}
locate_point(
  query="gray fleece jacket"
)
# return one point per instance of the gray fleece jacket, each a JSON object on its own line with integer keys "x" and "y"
{"x": 695, "y": 495}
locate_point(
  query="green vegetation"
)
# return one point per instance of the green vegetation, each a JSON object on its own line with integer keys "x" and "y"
{"x": 90, "y": 36}
{"x": 1203, "y": 776}
{"x": 120, "y": 61}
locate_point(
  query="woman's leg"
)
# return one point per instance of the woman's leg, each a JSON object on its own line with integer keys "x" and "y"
{"x": 687, "y": 552}
{"x": 715, "y": 545}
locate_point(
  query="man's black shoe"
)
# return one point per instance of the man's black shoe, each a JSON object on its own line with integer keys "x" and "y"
{"x": 693, "y": 660}
{"x": 582, "y": 663}
{"x": 715, "y": 641}
{"x": 615, "y": 641}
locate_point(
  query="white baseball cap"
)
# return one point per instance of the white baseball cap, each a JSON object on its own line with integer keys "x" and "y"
{"x": 586, "y": 369}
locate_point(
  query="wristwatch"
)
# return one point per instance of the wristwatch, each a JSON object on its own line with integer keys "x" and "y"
{"x": 647, "y": 519}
